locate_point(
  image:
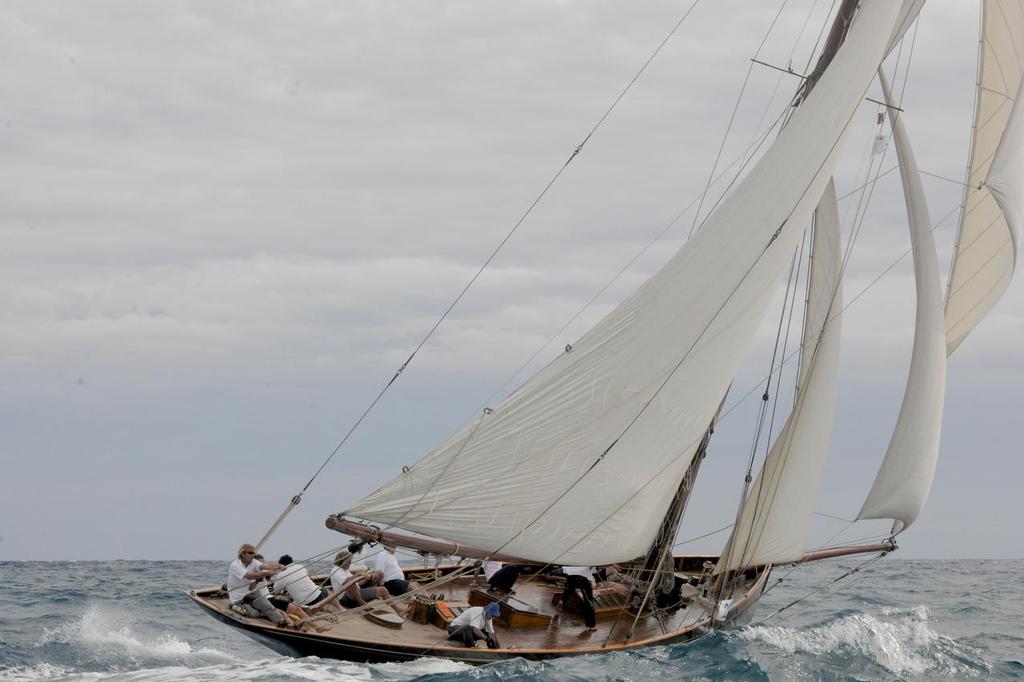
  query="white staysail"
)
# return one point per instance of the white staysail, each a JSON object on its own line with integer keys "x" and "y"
{"x": 774, "y": 523}
{"x": 579, "y": 465}
{"x": 990, "y": 221}
{"x": 905, "y": 477}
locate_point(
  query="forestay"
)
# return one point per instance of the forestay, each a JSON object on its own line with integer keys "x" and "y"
{"x": 579, "y": 465}
{"x": 990, "y": 221}
{"x": 774, "y": 523}
{"x": 905, "y": 477}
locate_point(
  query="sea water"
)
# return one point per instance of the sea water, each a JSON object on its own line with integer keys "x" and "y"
{"x": 897, "y": 619}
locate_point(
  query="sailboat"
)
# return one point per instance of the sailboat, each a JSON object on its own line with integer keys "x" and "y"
{"x": 598, "y": 453}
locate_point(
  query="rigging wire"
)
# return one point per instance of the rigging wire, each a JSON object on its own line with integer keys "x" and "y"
{"x": 943, "y": 177}
{"x": 732, "y": 117}
{"x": 858, "y": 188}
{"x": 701, "y": 537}
{"x": 831, "y": 516}
{"x": 970, "y": 155}
{"x": 296, "y": 499}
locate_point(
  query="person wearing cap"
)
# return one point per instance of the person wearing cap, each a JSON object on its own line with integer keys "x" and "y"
{"x": 351, "y": 585}
{"x": 246, "y": 592}
{"x": 474, "y": 624}
{"x": 393, "y": 576}
{"x": 355, "y": 548}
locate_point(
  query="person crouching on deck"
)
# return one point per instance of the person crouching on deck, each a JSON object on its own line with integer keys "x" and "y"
{"x": 579, "y": 579}
{"x": 475, "y": 624}
{"x": 349, "y": 584}
{"x": 500, "y": 577}
{"x": 244, "y": 574}
{"x": 393, "y": 575}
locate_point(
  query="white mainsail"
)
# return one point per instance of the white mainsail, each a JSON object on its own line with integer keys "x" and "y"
{"x": 774, "y": 523}
{"x": 905, "y": 477}
{"x": 579, "y": 465}
{"x": 990, "y": 221}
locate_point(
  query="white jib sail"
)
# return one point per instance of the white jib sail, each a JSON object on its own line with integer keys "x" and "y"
{"x": 905, "y": 477}
{"x": 774, "y": 523}
{"x": 990, "y": 221}
{"x": 579, "y": 465}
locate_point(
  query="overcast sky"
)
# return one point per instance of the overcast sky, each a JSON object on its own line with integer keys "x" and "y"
{"x": 225, "y": 225}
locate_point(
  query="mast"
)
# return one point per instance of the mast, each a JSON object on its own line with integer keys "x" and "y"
{"x": 658, "y": 568}
{"x": 836, "y": 36}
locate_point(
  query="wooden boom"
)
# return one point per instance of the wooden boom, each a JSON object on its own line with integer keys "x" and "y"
{"x": 418, "y": 544}
{"x": 834, "y": 552}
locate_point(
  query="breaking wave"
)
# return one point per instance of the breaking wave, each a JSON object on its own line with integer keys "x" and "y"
{"x": 114, "y": 636}
{"x": 899, "y": 640}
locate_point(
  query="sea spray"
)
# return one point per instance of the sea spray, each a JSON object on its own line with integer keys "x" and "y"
{"x": 898, "y": 640}
{"x": 119, "y": 638}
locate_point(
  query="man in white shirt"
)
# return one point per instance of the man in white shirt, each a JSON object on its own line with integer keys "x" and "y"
{"x": 475, "y": 624}
{"x": 246, "y": 592}
{"x": 294, "y": 580}
{"x": 349, "y": 584}
{"x": 392, "y": 574}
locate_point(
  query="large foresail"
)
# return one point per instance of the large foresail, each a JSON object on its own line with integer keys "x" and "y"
{"x": 990, "y": 221}
{"x": 579, "y": 465}
{"x": 905, "y": 477}
{"x": 774, "y": 523}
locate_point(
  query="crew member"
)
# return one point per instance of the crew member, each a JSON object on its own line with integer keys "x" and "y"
{"x": 579, "y": 580}
{"x": 474, "y": 624}
{"x": 392, "y": 574}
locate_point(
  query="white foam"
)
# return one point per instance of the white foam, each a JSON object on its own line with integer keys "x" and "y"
{"x": 423, "y": 666}
{"x": 311, "y": 668}
{"x": 42, "y": 671}
{"x": 116, "y": 638}
{"x": 902, "y": 642}
{"x": 115, "y": 632}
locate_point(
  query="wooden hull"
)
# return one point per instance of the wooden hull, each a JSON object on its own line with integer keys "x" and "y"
{"x": 299, "y": 644}
{"x": 359, "y": 640}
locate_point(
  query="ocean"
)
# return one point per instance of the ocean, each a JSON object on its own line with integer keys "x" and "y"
{"x": 898, "y": 619}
